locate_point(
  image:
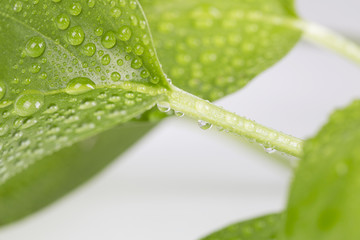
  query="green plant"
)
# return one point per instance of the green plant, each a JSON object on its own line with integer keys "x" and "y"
{"x": 79, "y": 68}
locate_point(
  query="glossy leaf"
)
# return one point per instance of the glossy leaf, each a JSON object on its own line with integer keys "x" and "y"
{"x": 213, "y": 48}
{"x": 325, "y": 194}
{"x": 73, "y": 69}
{"x": 53, "y": 176}
{"x": 262, "y": 228}
{"x": 58, "y": 42}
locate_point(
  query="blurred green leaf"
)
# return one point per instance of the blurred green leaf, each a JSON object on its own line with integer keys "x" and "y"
{"x": 214, "y": 48}
{"x": 325, "y": 194}
{"x": 54, "y": 176}
{"x": 262, "y": 228}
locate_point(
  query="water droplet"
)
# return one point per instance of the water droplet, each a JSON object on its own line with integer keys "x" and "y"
{"x": 2, "y": 90}
{"x": 120, "y": 62}
{"x": 133, "y": 4}
{"x": 28, "y": 103}
{"x": 204, "y": 125}
{"x": 35, "y": 68}
{"x": 125, "y": 33}
{"x": 79, "y": 85}
{"x": 89, "y": 49}
{"x": 99, "y": 31}
{"x": 75, "y": 8}
{"x": 139, "y": 50}
{"x": 62, "y": 21}
{"x": 136, "y": 63}
{"x": 115, "y": 76}
{"x": 87, "y": 104}
{"x": 155, "y": 80}
{"x": 108, "y": 40}
{"x": 105, "y": 60}
{"x": 115, "y": 12}
{"x": 144, "y": 74}
{"x": 51, "y": 109}
{"x": 134, "y": 21}
{"x": 4, "y": 128}
{"x": 269, "y": 150}
{"x": 91, "y": 3}
{"x": 179, "y": 114}
{"x": 76, "y": 35}
{"x": 85, "y": 127}
{"x": 18, "y": 6}
{"x": 28, "y": 123}
{"x": 163, "y": 106}
{"x": 35, "y": 47}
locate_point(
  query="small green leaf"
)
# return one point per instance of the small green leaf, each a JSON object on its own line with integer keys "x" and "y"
{"x": 54, "y": 176}
{"x": 325, "y": 194}
{"x": 213, "y": 48}
{"x": 72, "y": 69}
{"x": 262, "y": 228}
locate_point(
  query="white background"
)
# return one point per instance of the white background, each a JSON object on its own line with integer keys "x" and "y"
{"x": 180, "y": 182}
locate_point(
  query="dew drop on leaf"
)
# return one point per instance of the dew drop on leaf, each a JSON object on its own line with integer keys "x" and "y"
{"x": 115, "y": 12}
{"x": 115, "y": 76}
{"x": 136, "y": 63}
{"x": 99, "y": 31}
{"x": 18, "y": 6}
{"x": 120, "y": 62}
{"x": 51, "y": 109}
{"x": 75, "y": 8}
{"x": 35, "y": 47}
{"x": 2, "y": 90}
{"x": 76, "y": 35}
{"x": 28, "y": 103}
{"x": 269, "y": 150}
{"x": 139, "y": 49}
{"x": 105, "y": 60}
{"x": 89, "y": 49}
{"x": 4, "y": 128}
{"x": 204, "y": 125}
{"x": 35, "y": 68}
{"x": 163, "y": 106}
{"x": 133, "y": 4}
{"x": 62, "y": 21}
{"x": 125, "y": 33}
{"x": 91, "y": 3}
{"x": 79, "y": 85}
{"x": 108, "y": 40}
{"x": 144, "y": 74}
{"x": 179, "y": 114}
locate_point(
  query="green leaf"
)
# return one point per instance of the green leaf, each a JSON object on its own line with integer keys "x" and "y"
{"x": 325, "y": 194}
{"x": 45, "y": 49}
{"x": 72, "y": 69}
{"x": 213, "y": 48}
{"x": 54, "y": 176}
{"x": 262, "y": 228}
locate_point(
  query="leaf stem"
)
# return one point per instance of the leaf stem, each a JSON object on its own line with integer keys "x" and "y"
{"x": 330, "y": 39}
{"x": 200, "y": 109}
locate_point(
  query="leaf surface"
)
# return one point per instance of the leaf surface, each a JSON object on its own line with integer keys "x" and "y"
{"x": 262, "y": 228}
{"x": 69, "y": 70}
{"x": 53, "y": 176}
{"x": 325, "y": 194}
{"x": 214, "y": 48}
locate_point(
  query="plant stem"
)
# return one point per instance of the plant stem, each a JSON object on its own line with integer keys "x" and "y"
{"x": 330, "y": 39}
{"x": 200, "y": 109}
